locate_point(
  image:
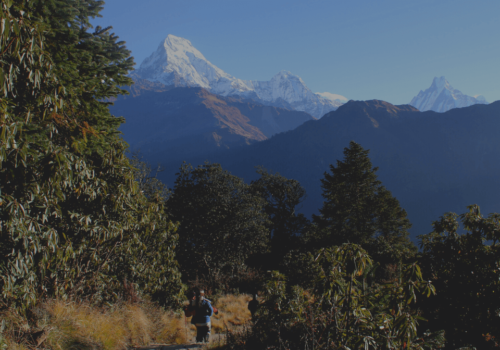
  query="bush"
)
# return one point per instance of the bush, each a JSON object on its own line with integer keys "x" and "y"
{"x": 340, "y": 309}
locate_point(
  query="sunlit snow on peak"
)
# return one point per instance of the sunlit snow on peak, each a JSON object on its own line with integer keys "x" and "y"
{"x": 333, "y": 97}
{"x": 177, "y": 62}
{"x": 441, "y": 97}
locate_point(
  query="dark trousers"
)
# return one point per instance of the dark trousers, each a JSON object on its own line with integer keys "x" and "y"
{"x": 202, "y": 334}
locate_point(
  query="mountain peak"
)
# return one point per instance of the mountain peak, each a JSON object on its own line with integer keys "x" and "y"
{"x": 177, "y": 44}
{"x": 176, "y": 62}
{"x": 173, "y": 40}
{"x": 441, "y": 83}
{"x": 441, "y": 97}
{"x": 377, "y": 105}
{"x": 284, "y": 73}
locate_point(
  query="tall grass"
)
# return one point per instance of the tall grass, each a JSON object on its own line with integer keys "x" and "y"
{"x": 65, "y": 325}
{"x": 233, "y": 313}
{"x": 71, "y": 325}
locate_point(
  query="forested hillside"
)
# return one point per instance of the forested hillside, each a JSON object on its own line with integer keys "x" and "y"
{"x": 431, "y": 162}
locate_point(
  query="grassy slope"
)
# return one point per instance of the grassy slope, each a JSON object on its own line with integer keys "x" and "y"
{"x": 69, "y": 325}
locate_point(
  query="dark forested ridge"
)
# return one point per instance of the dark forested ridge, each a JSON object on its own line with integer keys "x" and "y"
{"x": 431, "y": 162}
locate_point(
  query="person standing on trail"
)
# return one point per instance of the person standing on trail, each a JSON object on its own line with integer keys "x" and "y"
{"x": 201, "y": 309}
{"x": 253, "y": 306}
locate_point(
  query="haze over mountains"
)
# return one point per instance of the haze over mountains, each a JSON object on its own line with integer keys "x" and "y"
{"x": 176, "y": 62}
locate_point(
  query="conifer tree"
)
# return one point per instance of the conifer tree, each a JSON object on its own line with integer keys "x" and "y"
{"x": 358, "y": 209}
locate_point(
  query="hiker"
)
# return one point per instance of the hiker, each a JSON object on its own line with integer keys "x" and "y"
{"x": 253, "y": 306}
{"x": 201, "y": 309}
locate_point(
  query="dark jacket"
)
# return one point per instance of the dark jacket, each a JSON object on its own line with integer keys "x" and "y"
{"x": 202, "y": 313}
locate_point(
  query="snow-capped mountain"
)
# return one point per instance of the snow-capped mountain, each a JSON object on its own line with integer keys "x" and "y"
{"x": 177, "y": 62}
{"x": 441, "y": 97}
{"x": 333, "y": 97}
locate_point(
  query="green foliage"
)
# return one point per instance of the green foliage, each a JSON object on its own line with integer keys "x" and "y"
{"x": 465, "y": 269}
{"x": 222, "y": 222}
{"x": 73, "y": 222}
{"x": 358, "y": 209}
{"x": 340, "y": 310}
{"x": 282, "y": 197}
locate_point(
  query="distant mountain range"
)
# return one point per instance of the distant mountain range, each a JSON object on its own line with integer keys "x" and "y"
{"x": 441, "y": 97}
{"x": 176, "y": 62}
{"x": 178, "y": 123}
{"x": 432, "y": 162}
{"x": 183, "y": 108}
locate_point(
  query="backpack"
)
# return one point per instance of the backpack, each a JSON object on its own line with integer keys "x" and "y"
{"x": 204, "y": 309}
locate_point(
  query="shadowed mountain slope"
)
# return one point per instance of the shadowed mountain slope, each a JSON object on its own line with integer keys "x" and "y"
{"x": 183, "y": 122}
{"x": 432, "y": 162}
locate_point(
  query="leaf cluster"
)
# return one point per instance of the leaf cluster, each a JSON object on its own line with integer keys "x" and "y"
{"x": 462, "y": 256}
{"x": 340, "y": 310}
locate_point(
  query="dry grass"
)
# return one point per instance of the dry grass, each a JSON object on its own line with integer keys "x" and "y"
{"x": 176, "y": 329}
{"x": 233, "y": 313}
{"x": 71, "y": 325}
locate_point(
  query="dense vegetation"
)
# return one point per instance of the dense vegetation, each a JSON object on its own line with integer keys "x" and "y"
{"x": 73, "y": 220}
{"x": 79, "y": 220}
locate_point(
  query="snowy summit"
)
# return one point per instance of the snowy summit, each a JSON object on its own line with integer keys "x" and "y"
{"x": 177, "y": 62}
{"x": 441, "y": 97}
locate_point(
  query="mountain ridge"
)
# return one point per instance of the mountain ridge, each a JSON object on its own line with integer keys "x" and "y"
{"x": 185, "y": 121}
{"x": 432, "y": 162}
{"x": 176, "y": 62}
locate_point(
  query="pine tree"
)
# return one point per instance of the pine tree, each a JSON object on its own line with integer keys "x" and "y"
{"x": 358, "y": 209}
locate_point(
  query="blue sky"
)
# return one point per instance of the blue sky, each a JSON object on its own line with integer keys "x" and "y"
{"x": 361, "y": 49}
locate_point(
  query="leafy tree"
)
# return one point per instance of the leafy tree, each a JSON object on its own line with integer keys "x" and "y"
{"x": 339, "y": 311}
{"x": 72, "y": 219}
{"x": 358, "y": 209}
{"x": 282, "y": 197}
{"x": 222, "y": 222}
{"x": 465, "y": 269}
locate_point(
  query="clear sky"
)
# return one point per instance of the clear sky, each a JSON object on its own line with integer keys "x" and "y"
{"x": 361, "y": 49}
